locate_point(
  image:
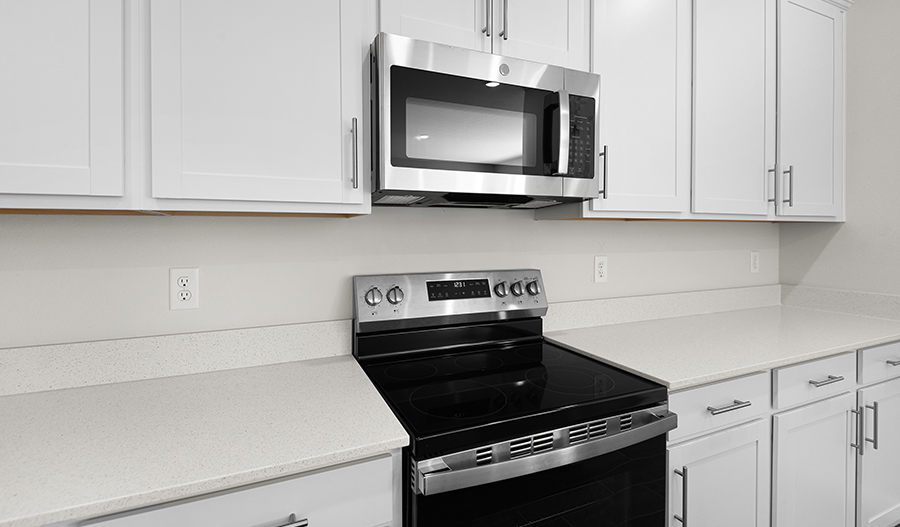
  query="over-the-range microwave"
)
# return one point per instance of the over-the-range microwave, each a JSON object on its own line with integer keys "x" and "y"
{"x": 455, "y": 127}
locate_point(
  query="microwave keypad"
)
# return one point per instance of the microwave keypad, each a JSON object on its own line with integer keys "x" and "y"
{"x": 581, "y": 137}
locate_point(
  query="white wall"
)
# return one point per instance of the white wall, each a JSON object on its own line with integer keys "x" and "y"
{"x": 79, "y": 278}
{"x": 862, "y": 254}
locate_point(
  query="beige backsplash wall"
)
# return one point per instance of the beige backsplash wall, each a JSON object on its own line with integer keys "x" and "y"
{"x": 862, "y": 254}
{"x": 81, "y": 278}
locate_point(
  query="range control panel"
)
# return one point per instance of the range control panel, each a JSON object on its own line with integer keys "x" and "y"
{"x": 398, "y": 297}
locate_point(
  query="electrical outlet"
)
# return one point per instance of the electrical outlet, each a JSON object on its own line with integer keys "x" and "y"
{"x": 754, "y": 261}
{"x": 601, "y": 269}
{"x": 184, "y": 288}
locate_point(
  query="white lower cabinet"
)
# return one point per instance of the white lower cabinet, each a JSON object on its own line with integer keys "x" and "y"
{"x": 879, "y": 463}
{"x": 358, "y": 495}
{"x": 721, "y": 478}
{"x": 813, "y": 465}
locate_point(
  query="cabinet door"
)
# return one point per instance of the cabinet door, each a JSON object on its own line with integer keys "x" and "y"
{"x": 814, "y": 469}
{"x": 734, "y": 106}
{"x": 462, "y": 23}
{"x": 247, "y": 101}
{"x": 641, "y": 56}
{"x": 549, "y": 31}
{"x": 811, "y": 41}
{"x": 727, "y": 479}
{"x": 62, "y": 109}
{"x": 879, "y": 468}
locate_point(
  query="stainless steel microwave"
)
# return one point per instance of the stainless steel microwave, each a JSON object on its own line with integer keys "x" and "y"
{"x": 455, "y": 127}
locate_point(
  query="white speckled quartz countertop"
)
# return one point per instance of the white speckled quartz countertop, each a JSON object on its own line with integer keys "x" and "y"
{"x": 90, "y": 451}
{"x": 684, "y": 352}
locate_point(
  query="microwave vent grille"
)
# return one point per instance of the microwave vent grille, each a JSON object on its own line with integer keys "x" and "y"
{"x": 398, "y": 200}
{"x": 536, "y": 204}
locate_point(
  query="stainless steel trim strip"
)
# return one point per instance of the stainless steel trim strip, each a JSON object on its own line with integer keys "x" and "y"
{"x": 564, "y": 132}
{"x": 437, "y": 475}
{"x": 831, "y": 379}
{"x": 729, "y": 408}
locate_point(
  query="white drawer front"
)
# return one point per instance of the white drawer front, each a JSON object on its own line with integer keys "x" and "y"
{"x": 879, "y": 363}
{"x": 351, "y": 496}
{"x": 716, "y": 405}
{"x": 813, "y": 380}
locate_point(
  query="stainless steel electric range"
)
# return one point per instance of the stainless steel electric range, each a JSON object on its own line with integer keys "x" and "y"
{"x": 506, "y": 428}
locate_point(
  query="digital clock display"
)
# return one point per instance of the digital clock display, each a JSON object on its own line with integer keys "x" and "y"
{"x": 458, "y": 289}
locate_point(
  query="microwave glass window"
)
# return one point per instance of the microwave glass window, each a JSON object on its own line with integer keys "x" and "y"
{"x": 446, "y": 122}
{"x": 447, "y": 131}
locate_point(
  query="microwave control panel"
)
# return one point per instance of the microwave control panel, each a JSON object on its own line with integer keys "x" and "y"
{"x": 581, "y": 136}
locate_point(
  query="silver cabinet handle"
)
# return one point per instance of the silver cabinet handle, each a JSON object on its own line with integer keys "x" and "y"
{"x": 505, "y": 32}
{"x": 294, "y": 522}
{"x": 874, "y": 440}
{"x": 859, "y": 445}
{"x": 894, "y": 362}
{"x": 487, "y": 18}
{"x": 354, "y": 133}
{"x": 728, "y": 408}
{"x": 790, "y": 173}
{"x": 684, "y": 486}
{"x": 603, "y": 154}
{"x": 831, "y": 379}
{"x": 770, "y": 171}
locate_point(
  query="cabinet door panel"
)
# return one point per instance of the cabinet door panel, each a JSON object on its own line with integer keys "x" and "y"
{"x": 636, "y": 51}
{"x": 811, "y": 64}
{"x": 62, "y": 107}
{"x": 879, "y": 469}
{"x": 727, "y": 478}
{"x": 734, "y": 95}
{"x": 814, "y": 466}
{"x": 549, "y": 31}
{"x": 455, "y": 22}
{"x": 246, "y": 100}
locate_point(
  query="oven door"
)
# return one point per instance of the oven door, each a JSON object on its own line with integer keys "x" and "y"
{"x": 623, "y": 488}
{"x": 453, "y": 121}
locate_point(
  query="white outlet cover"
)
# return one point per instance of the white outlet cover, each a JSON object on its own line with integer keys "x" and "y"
{"x": 183, "y": 296}
{"x": 601, "y": 269}
{"x": 754, "y": 261}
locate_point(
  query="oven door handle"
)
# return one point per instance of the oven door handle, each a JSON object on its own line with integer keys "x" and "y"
{"x": 449, "y": 480}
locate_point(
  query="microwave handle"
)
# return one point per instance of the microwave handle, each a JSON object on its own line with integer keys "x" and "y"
{"x": 564, "y": 132}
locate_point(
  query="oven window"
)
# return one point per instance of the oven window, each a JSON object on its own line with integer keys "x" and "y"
{"x": 446, "y": 122}
{"x": 625, "y": 488}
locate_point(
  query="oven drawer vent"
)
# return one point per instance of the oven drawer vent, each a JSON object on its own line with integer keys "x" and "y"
{"x": 597, "y": 429}
{"x": 577, "y": 434}
{"x": 483, "y": 456}
{"x": 625, "y": 422}
{"x": 531, "y": 445}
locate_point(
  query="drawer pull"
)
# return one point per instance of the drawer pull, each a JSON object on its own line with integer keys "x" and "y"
{"x": 894, "y": 362}
{"x": 830, "y": 380}
{"x": 683, "y": 518}
{"x": 729, "y": 408}
{"x": 294, "y": 522}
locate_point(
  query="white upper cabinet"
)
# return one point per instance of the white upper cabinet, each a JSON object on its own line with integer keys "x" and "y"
{"x": 61, "y": 109}
{"x": 256, "y": 102}
{"x": 811, "y": 108}
{"x": 642, "y": 53}
{"x": 734, "y": 106}
{"x": 549, "y": 31}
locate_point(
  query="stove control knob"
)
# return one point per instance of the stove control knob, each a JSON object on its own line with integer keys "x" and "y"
{"x": 373, "y": 297}
{"x": 395, "y": 295}
{"x": 534, "y": 288}
{"x": 516, "y": 289}
{"x": 501, "y": 289}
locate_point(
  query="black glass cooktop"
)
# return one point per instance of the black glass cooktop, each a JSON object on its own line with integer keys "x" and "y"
{"x": 497, "y": 394}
